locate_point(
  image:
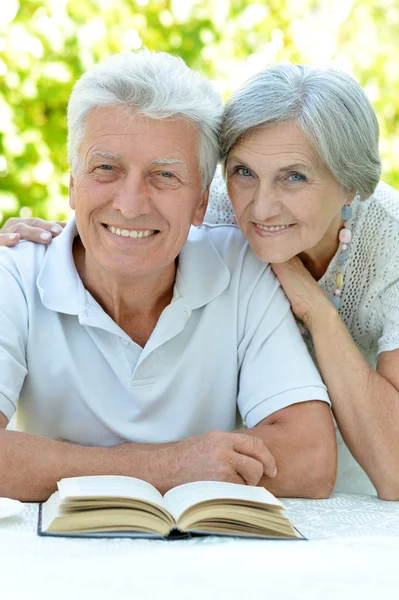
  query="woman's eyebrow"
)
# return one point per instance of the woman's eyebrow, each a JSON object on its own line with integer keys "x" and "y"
{"x": 234, "y": 158}
{"x": 294, "y": 167}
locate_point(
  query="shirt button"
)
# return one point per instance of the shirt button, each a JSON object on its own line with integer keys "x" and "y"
{"x": 125, "y": 342}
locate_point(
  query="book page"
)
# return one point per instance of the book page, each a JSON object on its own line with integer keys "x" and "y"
{"x": 178, "y": 499}
{"x": 109, "y": 486}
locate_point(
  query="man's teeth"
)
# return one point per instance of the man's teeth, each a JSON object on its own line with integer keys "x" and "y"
{"x": 133, "y": 233}
{"x": 273, "y": 228}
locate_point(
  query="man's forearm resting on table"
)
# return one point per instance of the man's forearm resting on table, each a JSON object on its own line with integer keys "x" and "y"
{"x": 299, "y": 439}
{"x": 302, "y": 440}
{"x": 30, "y": 466}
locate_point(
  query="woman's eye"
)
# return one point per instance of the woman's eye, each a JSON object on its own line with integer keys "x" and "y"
{"x": 243, "y": 171}
{"x": 294, "y": 177}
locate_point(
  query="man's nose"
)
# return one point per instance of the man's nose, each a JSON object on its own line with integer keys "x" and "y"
{"x": 265, "y": 204}
{"x": 133, "y": 197}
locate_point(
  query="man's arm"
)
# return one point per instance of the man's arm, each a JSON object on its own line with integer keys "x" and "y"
{"x": 302, "y": 440}
{"x": 30, "y": 466}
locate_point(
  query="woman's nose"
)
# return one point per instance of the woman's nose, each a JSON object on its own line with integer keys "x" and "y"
{"x": 265, "y": 205}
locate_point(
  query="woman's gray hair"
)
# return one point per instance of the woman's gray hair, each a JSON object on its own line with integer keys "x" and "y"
{"x": 331, "y": 109}
{"x": 154, "y": 84}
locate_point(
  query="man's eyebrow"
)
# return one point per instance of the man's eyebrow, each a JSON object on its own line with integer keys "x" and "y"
{"x": 169, "y": 161}
{"x": 105, "y": 155}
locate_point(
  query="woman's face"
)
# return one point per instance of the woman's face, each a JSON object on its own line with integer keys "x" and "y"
{"x": 284, "y": 198}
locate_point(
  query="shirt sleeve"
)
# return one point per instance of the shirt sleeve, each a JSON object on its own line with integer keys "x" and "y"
{"x": 13, "y": 339}
{"x": 388, "y": 314}
{"x": 276, "y": 369}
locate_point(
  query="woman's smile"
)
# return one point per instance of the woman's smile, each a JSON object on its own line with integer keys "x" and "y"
{"x": 273, "y": 230}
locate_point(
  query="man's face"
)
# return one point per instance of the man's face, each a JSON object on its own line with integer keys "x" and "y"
{"x": 136, "y": 191}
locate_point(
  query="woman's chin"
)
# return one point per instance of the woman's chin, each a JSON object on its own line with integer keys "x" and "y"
{"x": 272, "y": 257}
{"x": 271, "y": 249}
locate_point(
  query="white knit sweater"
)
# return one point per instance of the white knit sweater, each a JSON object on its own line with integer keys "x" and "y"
{"x": 370, "y": 297}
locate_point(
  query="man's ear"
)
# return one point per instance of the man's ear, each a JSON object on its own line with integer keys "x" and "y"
{"x": 72, "y": 192}
{"x": 201, "y": 209}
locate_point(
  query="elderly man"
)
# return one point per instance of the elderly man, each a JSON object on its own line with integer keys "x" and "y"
{"x": 127, "y": 345}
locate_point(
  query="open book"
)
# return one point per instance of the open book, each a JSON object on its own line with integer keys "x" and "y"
{"x": 125, "y": 506}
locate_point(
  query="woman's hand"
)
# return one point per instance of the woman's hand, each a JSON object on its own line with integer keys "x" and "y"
{"x": 308, "y": 300}
{"x": 34, "y": 230}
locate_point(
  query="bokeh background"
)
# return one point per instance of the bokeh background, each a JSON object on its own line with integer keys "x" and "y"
{"x": 45, "y": 46}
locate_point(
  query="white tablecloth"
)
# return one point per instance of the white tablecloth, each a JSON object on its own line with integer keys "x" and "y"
{"x": 352, "y": 553}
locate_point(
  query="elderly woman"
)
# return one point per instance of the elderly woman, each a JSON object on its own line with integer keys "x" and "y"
{"x": 300, "y": 156}
{"x": 301, "y": 163}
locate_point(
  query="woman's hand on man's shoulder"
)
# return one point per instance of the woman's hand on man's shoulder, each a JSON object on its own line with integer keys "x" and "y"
{"x": 34, "y": 230}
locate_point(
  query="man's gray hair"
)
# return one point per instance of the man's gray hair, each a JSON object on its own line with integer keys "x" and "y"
{"x": 154, "y": 84}
{"x": 331, "y": 109}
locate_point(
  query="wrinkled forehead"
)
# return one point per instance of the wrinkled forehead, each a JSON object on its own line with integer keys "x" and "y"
{"x": 275, "y": 141}
{"x": 119, "y": 133}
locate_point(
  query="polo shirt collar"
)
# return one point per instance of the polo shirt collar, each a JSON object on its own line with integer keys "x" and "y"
{"x": 201, "y": 275}
{"x": 59, "y": 285}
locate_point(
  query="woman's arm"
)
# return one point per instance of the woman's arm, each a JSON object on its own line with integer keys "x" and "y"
{"x": 34, "y": 230}
{"x": 365, "y": 402}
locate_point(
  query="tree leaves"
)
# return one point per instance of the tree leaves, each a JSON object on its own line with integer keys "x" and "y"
{"x": 45, "y": 45}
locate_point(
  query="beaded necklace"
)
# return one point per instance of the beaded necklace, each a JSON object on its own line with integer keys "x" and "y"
{"x": 345, "y": 238}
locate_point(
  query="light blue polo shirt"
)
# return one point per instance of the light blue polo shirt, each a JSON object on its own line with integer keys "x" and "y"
{"x": 227, "y": 340}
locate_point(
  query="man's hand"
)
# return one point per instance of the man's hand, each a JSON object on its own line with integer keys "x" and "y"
{"x": 214, "y": 456}
{"x": 34, "y": 230}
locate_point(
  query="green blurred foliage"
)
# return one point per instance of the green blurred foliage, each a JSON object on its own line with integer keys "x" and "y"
{"x": 45, "y": 46}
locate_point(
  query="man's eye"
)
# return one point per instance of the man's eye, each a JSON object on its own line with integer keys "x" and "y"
{"x": 166, "y": 174}
{"x": 103, "y": 168}
{"x": 294, "y": 177}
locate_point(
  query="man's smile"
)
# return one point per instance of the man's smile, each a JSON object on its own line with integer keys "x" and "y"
{"x": 133, "y": 233}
